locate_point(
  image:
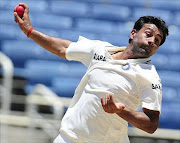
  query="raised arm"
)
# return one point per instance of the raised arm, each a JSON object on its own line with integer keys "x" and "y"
{"x": 147, "y": 120}
{"x": 55, "y": 45}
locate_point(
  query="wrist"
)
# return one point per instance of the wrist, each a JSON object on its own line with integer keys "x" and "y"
{"x": 29, "y": 31}
{"x": 122, "y": 111}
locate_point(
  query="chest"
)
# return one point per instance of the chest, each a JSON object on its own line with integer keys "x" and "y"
{"x": 116, "y": 78}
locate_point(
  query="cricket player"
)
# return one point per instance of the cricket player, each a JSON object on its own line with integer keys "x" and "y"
{"x": 117, "y": 81}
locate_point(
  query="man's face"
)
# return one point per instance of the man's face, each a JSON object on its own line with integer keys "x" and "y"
{"x": 146, "y": 41}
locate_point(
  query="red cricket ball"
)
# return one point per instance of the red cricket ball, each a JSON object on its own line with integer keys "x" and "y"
{"x": 20, "y": 10}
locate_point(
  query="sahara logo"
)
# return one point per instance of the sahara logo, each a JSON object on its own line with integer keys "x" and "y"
{"x": 99, "y": 57}
{"x": 156, "y": 86}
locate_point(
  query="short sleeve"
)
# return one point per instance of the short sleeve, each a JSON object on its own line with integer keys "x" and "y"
{"x": 151, "y": 96}
{"x": 81, "y": 51}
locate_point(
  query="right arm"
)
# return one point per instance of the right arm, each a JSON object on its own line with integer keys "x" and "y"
{"x": 147, "y": 120}
{"x": 55, "y": 45}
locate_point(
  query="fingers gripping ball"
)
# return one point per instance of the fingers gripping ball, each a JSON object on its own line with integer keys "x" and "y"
{"x": 20, "y": 10}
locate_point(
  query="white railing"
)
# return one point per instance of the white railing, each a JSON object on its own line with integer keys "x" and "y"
{"x": 5, "y": 92}
{"x": 42, "y": 95}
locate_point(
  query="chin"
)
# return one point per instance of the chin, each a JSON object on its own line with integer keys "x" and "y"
{"x": 144, "y": 55}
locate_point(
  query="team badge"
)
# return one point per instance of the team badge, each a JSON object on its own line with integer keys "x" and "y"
{"x": 126, "y": 67}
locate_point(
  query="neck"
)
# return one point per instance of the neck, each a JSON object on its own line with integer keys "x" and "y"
{"x": 124, "y": 55}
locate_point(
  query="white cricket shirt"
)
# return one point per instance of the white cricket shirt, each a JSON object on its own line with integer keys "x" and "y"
{"x": 133, "y": 82}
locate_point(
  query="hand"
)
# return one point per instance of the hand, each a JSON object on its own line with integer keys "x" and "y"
{"x": 110, "y": 106}
{"x": 24, "y": 23}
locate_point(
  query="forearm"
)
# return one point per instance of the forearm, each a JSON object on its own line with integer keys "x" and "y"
{"x": 55, "y": 45}
{"x": 147, "y": 120}
{"x": 52, "y": 44}
{"x": 139, "y": 119}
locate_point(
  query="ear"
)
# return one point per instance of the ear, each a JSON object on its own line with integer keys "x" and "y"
{"x": 133, "y": 33}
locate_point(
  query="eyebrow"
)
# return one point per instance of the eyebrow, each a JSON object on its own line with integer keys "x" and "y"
{"x": 154, "y": 32}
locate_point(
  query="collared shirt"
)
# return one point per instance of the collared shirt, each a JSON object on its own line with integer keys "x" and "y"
{"x": 132, "y": 82}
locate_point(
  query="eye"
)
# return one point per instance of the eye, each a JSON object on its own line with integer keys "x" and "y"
{"x": 157, "y": 42}
{"x": 148, "y": 34}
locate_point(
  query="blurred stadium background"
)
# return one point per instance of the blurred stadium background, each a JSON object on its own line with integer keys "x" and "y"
{"x": 36, "y": 86}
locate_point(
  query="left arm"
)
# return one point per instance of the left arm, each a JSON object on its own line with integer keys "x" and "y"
{"x": 147, "y": 120}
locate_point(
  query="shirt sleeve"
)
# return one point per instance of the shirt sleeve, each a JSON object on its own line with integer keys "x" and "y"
{"x": 151, "y": 96}
{"x": 81, "y": 51}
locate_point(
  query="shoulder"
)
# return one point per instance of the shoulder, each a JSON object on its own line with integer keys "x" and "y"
{"x": 94, "y": 42}
{"x": 148, "y": 71}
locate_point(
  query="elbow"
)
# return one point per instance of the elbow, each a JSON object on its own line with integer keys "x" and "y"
{"x": 151, "y": 129}
{"x": 61, "y": 53}
{"x": 58, "y": 46}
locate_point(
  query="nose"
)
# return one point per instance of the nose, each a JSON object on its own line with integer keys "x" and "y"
{"x": 151, "y": 41}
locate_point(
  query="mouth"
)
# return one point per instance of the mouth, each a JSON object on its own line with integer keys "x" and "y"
{"x": 148, "y": 49}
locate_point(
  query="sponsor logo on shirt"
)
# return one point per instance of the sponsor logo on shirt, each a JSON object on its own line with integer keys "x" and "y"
{"x": 99, "y": 57}
{"x": 156, "y": 86}
{"x": 126, "y": 67}
{"x": 147, "y": 62}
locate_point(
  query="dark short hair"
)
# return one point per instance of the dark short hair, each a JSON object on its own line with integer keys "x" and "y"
{"x": 161, "y": 25}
